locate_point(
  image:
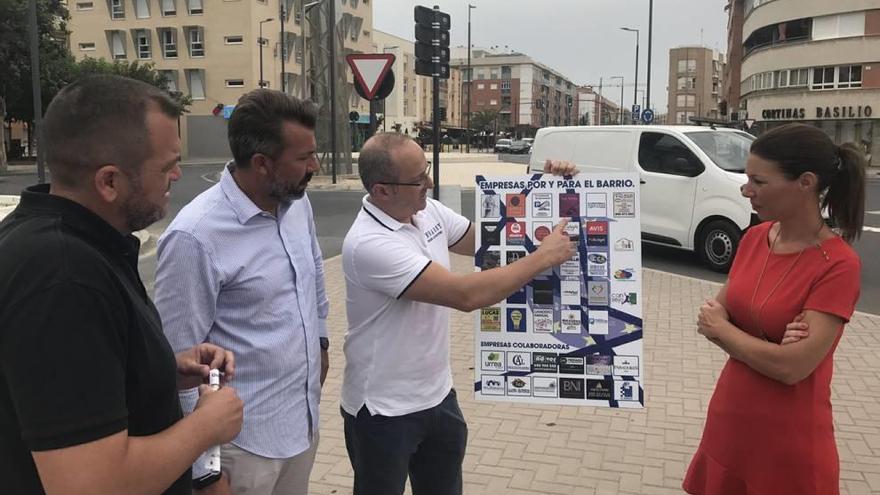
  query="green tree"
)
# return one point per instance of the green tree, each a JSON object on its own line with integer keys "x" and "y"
{"x": 134, "y": 70}
{"x": 484, "y": 120}
{"x": 16, "y": 99}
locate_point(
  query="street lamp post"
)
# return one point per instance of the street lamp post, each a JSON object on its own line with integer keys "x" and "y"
{"x": 636, "y": 84}
{"x": 620, "y": 115}
{"x": 262, "y": 42}
{"x": 650, "y": 43}
{"x": 470, "y": 79}
{"x": 304, "y": 8}
{"x": 384, "y": 113}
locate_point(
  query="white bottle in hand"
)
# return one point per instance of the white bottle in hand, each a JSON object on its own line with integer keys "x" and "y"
{"x": 213, "y": 455}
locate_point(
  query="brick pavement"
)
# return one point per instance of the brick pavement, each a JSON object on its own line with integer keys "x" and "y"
{"x": 518, "y": 449}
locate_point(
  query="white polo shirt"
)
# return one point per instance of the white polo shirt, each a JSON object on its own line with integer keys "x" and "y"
{"x": 396, "y": 350}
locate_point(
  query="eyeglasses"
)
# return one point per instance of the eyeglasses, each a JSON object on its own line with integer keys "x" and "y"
{"x": 425, "y": 177}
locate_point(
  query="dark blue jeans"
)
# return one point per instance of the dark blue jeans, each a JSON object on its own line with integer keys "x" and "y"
{"x": 427, "y": 445}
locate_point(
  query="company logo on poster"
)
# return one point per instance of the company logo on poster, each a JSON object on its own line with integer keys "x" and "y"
{"x": 597, "y": 293}
{"x": 626, "y": 390}
{"x": 493, "y": 361}
{"x": 625, "y": 274}
{"x": 598, "y": 323}
{"x": 491, "y": 204}
{"x": 544, "y": 362}
{"x": 571, "y": 321}
{"x": 569, "y": 205}
{"x": 626, "y": 365}
{"x": 598, "y": 364}
{"x": 571, "y": 268}
{"x": 571, "y": 388}
{"x": 516, "y": 205}
{"x": 516, "y": 233}
{"x": 519, "y": 386}
{"x": 571, "y": 365}
{"x": 519, "y": 361}
{"x": 624, "y": 244}
{"x": 596, "y": 228}
{"x": 570, "y": 292}
{"x": 544, "y": 386}
{"x": 492, "y": 384}
{"x": 597, "y": 241}
{"x": 599, "y": 389}
{"x": 597, "y": 205}
{"x": 542, "y": 205}
{"x": 516, "y": 320}
{"x": 624, "y": 205}
{"x": 490, "y": 319}
{"x": 542, "y": 320}
{"x": 540, "y": 230}
{"x": 625, "y": 298}
{"x": 597, "y": 265}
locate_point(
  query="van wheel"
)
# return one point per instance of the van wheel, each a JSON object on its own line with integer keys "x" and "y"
{"x": 717, "y": 244}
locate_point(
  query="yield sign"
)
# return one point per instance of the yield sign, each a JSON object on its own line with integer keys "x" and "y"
{"x": 370, "y": 69}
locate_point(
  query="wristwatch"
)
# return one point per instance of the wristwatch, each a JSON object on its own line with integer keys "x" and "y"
{"x": 206, "y": 480}
{"x": 325, "y": 343}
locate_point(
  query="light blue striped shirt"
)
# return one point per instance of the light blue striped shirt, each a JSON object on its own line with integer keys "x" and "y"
{"x": 238, "y": 277}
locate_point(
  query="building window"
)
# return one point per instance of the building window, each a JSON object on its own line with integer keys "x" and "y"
{"x": 169, "y": 43}
{"x": 493, "y": 86}
{"x": 493, "y": 102}
{"x": 142, "y": 41}
{"x": 170, "y": 77}
{"x": 798, "y": 77}
{"x": 85, "y": 5}
{"x": 117, "y": 9}
{"x": 823, "y": 78}
{"x": 235, "y": 83}
{"x": 141, "y": 9}
{"x": 196, "y": 43}
{"x": 481, "y": 86}
{"x": 685, "y": 101}
{"x": 196, "y": 82}
{"x": 117, "y": 45}
{"x": 687, "y": 66}
{"x": 775, "y": 34}
{"x": 505, "y": 84}
{"x": 87, "y": 47}
{"x": 234, "y": 40}
{"x": 849, "y": 76}
{"x": 782, "y": 79}
{"x": 169, "y": 7}
{"x": 194, "y": 7}
{"x": 505, "y": 72}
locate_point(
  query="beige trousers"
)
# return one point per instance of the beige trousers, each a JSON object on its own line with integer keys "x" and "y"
{"x": 250, "y": 474}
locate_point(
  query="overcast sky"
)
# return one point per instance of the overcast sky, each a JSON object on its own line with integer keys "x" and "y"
{"x": 579, "y": 38}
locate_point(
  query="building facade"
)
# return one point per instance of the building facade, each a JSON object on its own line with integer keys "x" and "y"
{"x": 817, "y": 62}
{"x": 595, "y": 109}
{"x": 730, "y": 102}
{"x": 401, "y": 108}
{"x": 695, "y": 83}
{"x": 214, "y": 51}
{"x": 526, "y": 94}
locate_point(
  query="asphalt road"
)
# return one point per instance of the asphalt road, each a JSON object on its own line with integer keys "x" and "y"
{"x": 335, "y": 211}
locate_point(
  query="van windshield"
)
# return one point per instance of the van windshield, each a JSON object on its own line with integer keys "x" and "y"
{"x": 729, "y": 150}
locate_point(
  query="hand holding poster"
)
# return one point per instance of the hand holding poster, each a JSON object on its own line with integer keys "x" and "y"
{"x": 573, "y": 335}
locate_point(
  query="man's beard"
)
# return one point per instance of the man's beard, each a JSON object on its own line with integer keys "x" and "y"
{"x": 139, "y": 213}
{"x": 285, "y": 191}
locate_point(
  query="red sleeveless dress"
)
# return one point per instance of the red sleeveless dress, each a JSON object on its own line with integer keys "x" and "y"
{"x": 763, "y": 437}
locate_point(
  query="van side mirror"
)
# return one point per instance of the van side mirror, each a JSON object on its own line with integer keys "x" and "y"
{"x": 687, "y": 168}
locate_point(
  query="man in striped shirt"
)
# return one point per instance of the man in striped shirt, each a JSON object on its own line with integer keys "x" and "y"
{"x": 240, "y": 267}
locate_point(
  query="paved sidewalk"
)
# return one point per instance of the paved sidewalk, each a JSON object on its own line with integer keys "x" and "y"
{"x": 516, "y": 449}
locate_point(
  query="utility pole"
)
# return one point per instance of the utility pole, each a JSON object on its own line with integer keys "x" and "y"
{"x": 283, "y": 38}
{"x": 470, "y": 79}
{"x": 37, "y": 137}
{"x": 650, "y": 45}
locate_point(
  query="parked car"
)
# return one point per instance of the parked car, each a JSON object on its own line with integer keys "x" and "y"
{"x": 690, "y": 179}
{"x": 502, "y": 146}
{"x": 520, "y": 147}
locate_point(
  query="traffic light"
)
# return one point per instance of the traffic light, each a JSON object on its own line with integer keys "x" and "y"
{"x": 432, "y": 42}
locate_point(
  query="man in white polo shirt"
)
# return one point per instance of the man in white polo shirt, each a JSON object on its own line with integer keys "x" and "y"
{"x": 400, "y": 410}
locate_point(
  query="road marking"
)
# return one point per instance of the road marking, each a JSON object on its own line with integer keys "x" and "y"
{"x": 874, "y": 212}
{"x": 871, "y": 229}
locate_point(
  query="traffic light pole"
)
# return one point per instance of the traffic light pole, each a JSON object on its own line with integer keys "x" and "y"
{"x": 436, "y": 114}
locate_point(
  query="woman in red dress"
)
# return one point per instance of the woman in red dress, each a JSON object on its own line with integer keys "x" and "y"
{"x": 769, "y": 428}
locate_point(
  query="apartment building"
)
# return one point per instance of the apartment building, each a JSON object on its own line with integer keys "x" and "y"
{"x": 212, "y": 50}
{"x": 817, "y": 62}
{"x": 695, "y": 83}
{"x": 596, "y": 109}
{"x": 401, "y": 108}
{"x": 730, "y": 99}
{"x": 527, "y": 94}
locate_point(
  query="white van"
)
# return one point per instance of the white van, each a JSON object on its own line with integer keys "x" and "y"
{"x": 690, "y": 179}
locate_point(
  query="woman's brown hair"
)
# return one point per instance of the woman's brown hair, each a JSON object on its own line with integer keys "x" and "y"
{"x": 800, "y": 148}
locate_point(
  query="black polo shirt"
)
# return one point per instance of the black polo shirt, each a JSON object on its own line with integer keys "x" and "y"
{"x": 82, "y": 353}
